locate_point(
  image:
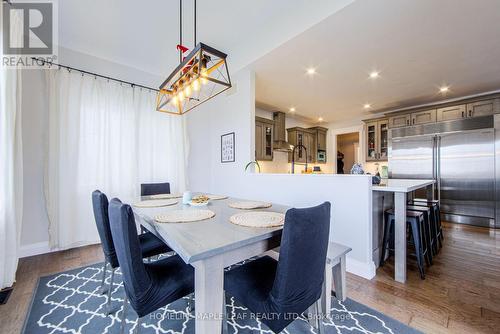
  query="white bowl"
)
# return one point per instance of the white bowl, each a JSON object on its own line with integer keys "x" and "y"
{"x": 198, "y": 204}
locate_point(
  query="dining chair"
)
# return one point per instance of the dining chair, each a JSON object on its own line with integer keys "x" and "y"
{"x": 148, "y": 286}
{"x": 150, "y": 245}
{"x": 148, "y": 189}
{"x": 277, "y": 292}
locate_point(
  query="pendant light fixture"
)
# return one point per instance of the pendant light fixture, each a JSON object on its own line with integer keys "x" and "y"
{"x": 201, "y": 75}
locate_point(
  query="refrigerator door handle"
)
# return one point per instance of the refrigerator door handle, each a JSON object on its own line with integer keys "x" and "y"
{"x": 438, "y": 167}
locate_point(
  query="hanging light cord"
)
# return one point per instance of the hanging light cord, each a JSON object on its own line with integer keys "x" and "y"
{"x": 180, "y": 30}
{"x": 194, "y": 23}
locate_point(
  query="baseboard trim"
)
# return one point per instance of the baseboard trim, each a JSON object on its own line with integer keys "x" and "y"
{"x": 363, "y": 269}
{"x": 44, "y": 248}
{"x": 35, "y": 249}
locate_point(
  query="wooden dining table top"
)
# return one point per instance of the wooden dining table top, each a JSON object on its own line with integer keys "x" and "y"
{"x": 195, "y": 241}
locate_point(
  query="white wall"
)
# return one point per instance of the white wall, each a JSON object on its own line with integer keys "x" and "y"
{"x": 350, "y": 196}
{"x": 34, "y": 233}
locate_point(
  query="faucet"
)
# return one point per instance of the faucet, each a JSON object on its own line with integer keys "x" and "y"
{"x": 293, "y": 156}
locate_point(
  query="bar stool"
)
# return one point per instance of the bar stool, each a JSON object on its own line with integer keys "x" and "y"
{"x": 429, "y": 228}
{"x": 415, "y": 221}
{"x": 434, "y": 204}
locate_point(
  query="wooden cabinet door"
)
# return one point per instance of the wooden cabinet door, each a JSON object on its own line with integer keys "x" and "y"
{"x": 399, "y": 121}
{"x": 483, "y": 108}
{"x": 321, "y": 140}
{"x": 267, "y": 142}
{"x": 259, "y": 145}
{"x": 423, "y": 117}
{"x": 371, "y": 141}
{"x": 451, "y": 113}
{"x": 382, "y": 139}
{"x": 311, "y": 148}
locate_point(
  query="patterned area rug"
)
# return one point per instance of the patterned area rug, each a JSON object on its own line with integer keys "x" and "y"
{"x": 70, "y": 302}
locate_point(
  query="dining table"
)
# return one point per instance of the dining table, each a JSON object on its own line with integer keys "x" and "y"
{"x": 401, "y": 188}
{"x": 210, "y": 246}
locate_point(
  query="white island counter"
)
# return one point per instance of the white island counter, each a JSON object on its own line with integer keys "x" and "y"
{"x": 400, "y": 188}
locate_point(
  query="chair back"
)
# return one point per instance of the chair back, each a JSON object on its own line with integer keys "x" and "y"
{"x": 128, "y": 250}
{"x": 148, "y": 189}
{"x": 301, "y": 266}
{"x": 100, "y": 206}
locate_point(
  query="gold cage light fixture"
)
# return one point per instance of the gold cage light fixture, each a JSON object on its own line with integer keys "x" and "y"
{"x": 201, "y": 75}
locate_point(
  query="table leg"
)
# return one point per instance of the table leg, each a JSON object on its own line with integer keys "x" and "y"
{"x": 326, "y": 294}
{"x": 209, "y": 291}
{"x": 400, "y": 237}
{"x": 339, "y": 279}
{"x": 430, "y": 192}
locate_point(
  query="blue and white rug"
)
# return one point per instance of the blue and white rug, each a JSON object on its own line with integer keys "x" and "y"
{"x": 70, "y": 302}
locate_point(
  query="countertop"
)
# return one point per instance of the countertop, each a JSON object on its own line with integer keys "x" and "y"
{"x": 401, "y": 185}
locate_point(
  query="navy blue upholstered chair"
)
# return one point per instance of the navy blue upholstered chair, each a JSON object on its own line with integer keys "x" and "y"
{"x": 148, "y": 286}
{"x": 148, "y": 189}
{"x": 149, "y": 243}
{"x": 293, "y": 284}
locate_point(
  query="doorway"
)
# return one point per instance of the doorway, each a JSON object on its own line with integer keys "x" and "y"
{"x": 347, "y": 151}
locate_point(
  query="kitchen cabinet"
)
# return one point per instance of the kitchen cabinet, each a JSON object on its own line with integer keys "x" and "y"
{"x": 483, "y": 108}
{"x": 451, "y": 113}
{"x": 377, "y": 140}
{"x": 319, "y": 144}
{"x": 306, "y": 137}
{"x": 264, "y": 139}
{"x": 423, "y": 117}
{"x": 399, "y": 121}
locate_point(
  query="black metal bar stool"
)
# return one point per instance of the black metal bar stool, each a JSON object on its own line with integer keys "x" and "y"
{"x": 415, "y": 221}
{"x": 429, "y": 228}
{"x": 437, "y": 214}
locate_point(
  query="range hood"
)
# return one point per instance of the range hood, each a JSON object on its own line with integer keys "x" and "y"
{"x": 280, "y": 143}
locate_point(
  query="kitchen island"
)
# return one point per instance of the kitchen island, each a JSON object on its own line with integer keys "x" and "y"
{"x": 401, "y": 188}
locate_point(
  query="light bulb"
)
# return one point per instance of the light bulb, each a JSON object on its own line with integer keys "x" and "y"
{"x": 187, "y": 90}
{"x": 175, "y": 100}
{"x": 180, "y": 96}
{"x": 196, "y": 85}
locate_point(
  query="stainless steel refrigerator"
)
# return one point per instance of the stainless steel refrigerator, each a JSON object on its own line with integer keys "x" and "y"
{"x": 460, "y": 156}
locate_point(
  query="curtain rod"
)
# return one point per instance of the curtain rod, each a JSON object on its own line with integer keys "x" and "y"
{"x": 69, "y": 68}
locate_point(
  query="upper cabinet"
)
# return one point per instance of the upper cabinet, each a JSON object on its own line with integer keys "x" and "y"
{"x": 306, "y": 138}
{"x": 377, "y": 139}
{"x": 423, "y": 117}
{"x": 263, "y": 138}
{"x": 483, "y": 108}
{"x": 399, "y": 121}
{"x": 319, "y": 150}
{"x": 451, "y": 113}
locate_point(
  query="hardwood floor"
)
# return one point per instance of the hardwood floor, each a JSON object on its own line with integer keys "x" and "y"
{"x": 461, "y": 292}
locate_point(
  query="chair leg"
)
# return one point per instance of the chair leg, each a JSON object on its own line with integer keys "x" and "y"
{"x": 124, "y": 314}
{"x": 110, "y": 290}
{"x": 191, "y": 303}
{"x": 104, "y": 271}
{"x": 319, "y": 318}
{"x": 225, "y": 327}
{"x": 387, "y": 237}
{"x": 415, "y": 230}
{"x": 138, "y": 325}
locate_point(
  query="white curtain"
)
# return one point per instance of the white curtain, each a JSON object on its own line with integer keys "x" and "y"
{"x": 107, "y": 136}
{"x": 11, "y": 171}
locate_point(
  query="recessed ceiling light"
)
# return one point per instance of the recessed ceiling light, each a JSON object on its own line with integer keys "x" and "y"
{"x": 374, "y": 74}
{"x": 320, "y": 119}
{"x": 444, "y": 89}
{"x": 292, "y": 109}
{"x": 367, "y": 106}
{"x": 311, "y": 71}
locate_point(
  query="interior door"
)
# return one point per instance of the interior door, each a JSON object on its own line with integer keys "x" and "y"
{"x": 467, "y": 173}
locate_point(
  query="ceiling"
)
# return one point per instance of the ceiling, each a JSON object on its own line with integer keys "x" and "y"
{"x": 144, "y": 34}
{"x": 418, "y": 46}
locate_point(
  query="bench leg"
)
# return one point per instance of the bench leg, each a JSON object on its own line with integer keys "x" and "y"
{"x": 326, "y": 295}
{"x": 339, "y": 279}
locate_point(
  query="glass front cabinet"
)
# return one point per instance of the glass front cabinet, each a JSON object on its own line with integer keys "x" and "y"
{"x": 264, "y": 138}
{"x": 377, "y": 140}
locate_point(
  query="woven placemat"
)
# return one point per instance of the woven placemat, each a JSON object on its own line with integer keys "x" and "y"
{"x": 155, "y": 203}
{"x": 248, "y": 205}
{"x": 258, "y": 219}
{"x": 216, "y": 197}
{"x": 165, "y": 196}
{"x": 184, "y": 216}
